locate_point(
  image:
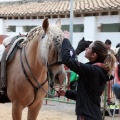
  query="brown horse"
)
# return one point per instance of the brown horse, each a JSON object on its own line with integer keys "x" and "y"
{"x": 38, "y": 55}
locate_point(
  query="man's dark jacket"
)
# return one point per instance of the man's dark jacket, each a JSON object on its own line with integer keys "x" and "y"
{"x": 91, "y": 83}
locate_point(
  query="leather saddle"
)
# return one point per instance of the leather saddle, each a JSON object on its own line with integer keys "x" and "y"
{"x": 7, "y": 56}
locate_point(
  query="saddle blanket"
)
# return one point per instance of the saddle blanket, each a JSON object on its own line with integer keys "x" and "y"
{"x": 2, "y": 48}
{"x": 6, "y": 42}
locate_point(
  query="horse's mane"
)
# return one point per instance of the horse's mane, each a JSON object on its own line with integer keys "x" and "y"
{"x": 52, "y": 34}
{"x": 33, "y": 32}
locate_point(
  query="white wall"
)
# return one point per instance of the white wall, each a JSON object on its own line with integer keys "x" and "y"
{"x": 9, "y": 0}
{"x": 2, "y": 27}
{"x": 90, "y": 31}
{"x": 114, "y": 37}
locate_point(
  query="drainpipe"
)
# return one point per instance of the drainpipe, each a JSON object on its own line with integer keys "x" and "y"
{"x": 71, "y": 21}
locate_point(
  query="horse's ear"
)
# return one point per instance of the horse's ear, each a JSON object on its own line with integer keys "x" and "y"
{"x": 45, "y": 24}
{"x": 58, "y": 23}
{"x": 83, "y": 39}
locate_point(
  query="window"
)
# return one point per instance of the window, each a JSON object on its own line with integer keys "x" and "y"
{"x": 76, "y": 27}
{"x": 115, "y": 27}
{"x": 65, "y": 27}
{"x": 28, "y": 28}
{"x": 11, "y": 29}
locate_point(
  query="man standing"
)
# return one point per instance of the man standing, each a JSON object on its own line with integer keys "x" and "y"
{"x": 108, "y": 45}
{"x": 110, "y": 51}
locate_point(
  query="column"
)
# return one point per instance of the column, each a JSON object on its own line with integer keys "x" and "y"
{"x": 2, "y": 27}
{"x": 19, "y": 29}
{"x": 90, "y": 28}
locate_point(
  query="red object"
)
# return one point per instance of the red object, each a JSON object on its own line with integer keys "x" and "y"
{"x": 2, "y": 37}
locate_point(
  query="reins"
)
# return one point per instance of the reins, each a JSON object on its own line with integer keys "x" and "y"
{"x": 36, "y": 88}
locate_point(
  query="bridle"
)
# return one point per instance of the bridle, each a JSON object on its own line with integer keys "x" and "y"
{"x": 39, "y": 86}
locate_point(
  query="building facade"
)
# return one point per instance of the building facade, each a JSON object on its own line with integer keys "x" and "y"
{"x": 95, "y": 20}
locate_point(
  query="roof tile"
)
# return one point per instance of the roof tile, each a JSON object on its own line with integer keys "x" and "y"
{"x": 57, "y": 7}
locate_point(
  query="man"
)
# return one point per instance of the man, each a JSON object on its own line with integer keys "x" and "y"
{"x": 108, "y": 45}
{"x": 110, "y": 51}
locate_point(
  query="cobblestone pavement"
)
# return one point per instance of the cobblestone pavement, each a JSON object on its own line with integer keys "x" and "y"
{"x": 51, "y": 111}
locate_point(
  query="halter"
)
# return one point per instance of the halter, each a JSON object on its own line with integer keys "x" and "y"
{"x": 58, "y": 62}
{"x": 36, "y": 88}
{"x": 55, "y": 63}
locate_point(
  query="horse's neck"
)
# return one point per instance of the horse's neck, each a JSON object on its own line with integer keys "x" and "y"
{"x": 39, "y": 71}
{"x": 32, "y": 54}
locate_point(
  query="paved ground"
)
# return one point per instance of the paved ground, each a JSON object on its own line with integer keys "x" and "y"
{"x": 51, "y": 111}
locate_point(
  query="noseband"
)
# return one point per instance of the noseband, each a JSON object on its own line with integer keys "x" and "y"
{"x": 55, "y": 63}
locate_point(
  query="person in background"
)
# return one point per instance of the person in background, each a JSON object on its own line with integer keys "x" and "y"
{"x": 73, "y": 80}
{"x": 92, "y": 80}
{"x": 116, "y": 85}
{"x": 108, "y": 45}
{"x": 117, "y": 53}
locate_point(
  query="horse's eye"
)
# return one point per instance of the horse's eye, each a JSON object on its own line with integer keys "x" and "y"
{"x": 43, "y": 36}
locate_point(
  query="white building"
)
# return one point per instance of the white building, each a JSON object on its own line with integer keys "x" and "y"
{"x": 93, "y": 19}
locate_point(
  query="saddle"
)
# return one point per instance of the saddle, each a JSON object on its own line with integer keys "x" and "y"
{"x": 8, "y": 55}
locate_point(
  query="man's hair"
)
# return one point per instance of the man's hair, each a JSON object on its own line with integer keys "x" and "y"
{"x": 118, "y": 45}
{"x": 108, "y": 42}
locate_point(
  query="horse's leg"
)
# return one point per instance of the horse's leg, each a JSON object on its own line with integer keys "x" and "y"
{"x": 33, "y": 111}
{"x": 16, "y": 111}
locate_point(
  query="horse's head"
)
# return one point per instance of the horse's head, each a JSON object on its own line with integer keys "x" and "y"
{"x": 51, "y": 47}
{"x": 82, "y": 45}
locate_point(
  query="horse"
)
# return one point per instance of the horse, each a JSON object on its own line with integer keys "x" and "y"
{"x": 82, "y": 45}
{"x": 37, "y": 59}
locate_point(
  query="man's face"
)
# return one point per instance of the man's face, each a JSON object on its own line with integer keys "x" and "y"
{"x": 108, "y": 46}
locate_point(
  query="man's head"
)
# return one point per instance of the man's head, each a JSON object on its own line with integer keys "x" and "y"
{"x": 108, "y": 44}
